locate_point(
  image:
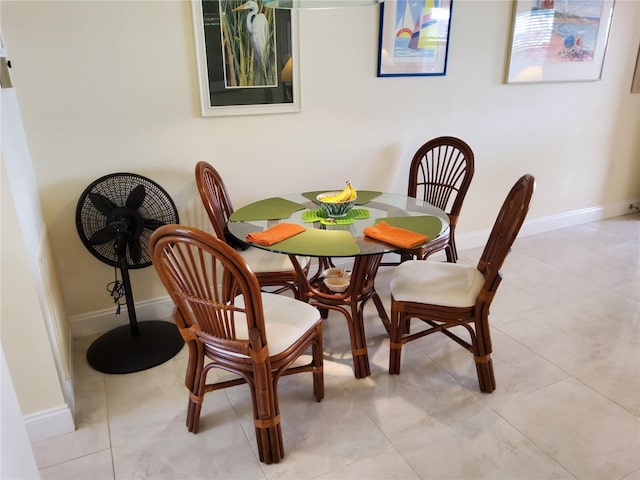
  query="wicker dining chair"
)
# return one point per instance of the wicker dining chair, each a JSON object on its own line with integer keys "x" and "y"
{"x": 228, "y": 323}
{"x": 440, "y": 174}
{"x": 446, "y": 295}
{"x": 272, "y": 269}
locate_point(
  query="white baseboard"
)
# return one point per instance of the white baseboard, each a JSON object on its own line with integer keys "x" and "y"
{"x": 104, "y": 320}
{"x": 162, "y": 308}
{"x": 552, "y": 222}
{"x": 49, "y": 423}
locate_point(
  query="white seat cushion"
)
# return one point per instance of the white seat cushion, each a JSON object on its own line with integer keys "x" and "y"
{"x": 262, "y": 261}
{"x": 436, "y": 283}
{"x": 285, "y": 318}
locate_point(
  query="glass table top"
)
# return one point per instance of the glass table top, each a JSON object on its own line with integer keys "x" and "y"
{"x": 380, "y": 207}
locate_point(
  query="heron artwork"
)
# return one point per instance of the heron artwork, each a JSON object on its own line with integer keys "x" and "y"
{"x": 255, "y": 57}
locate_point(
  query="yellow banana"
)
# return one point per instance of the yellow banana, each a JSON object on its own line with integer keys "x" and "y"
{"x": 353, "y": 194}
{"x": 329, "y": 198}
{"x": 343, "y": 196}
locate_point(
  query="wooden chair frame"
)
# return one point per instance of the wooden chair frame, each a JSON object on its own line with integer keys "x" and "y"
{"x": 440, "y": 174}
{"x": 475, "y": 319}
{"x": 217, "y": 204}
{"x": 205, "y": 278}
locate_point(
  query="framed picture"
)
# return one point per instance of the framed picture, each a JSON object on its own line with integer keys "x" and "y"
{"x": 414, "y": 37}
{"x": 635, "y": 84}
{"x": 558, "y": 40}
{"x": 247, "y": 58}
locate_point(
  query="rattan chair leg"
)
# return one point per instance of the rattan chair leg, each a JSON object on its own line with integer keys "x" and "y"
{"x": 269, "y": 438}
{"x": 196, "y": 397}
{"x": 191, "y": 413}
{"x": 195, "y": 426}
{"x": 395, "y": 356}
{"x": 486, "y": 377}
{"x": 395, "y": 341}
{"x": 482, "y": 356}
{"x": 318, "y": 368}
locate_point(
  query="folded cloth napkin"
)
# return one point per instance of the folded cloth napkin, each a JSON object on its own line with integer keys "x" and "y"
{"x": 276, "y": 234}
{"x": 399, "y": 237}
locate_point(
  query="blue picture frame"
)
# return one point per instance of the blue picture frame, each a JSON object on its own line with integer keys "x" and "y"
{"x": 414, "y": 37}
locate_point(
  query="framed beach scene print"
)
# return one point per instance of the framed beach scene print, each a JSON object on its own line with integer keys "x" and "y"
{"x": 247, "y": 57}
{"x": 414, "y": 37}
{"x": 558, "y": 40}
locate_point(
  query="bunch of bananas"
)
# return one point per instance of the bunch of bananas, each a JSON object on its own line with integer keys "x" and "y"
{"x": 349, "y": 193}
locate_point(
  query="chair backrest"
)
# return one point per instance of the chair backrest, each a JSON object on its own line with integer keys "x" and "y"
{"x": 212, "y": 287}
{"x": 215, "y": 197}
{"x": 505, "y": 230}
{"x": 440, "y": 173}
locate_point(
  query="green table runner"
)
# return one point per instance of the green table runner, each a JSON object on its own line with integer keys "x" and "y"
{"x": 425, "y": 224}
{"x": 364, "y": 196}
{"x": 321, "y": 243}
{"x": 269, "y": 209}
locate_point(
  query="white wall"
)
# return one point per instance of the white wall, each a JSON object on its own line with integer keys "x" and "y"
{"x": 112, "y": 86}
{"x": 15, "y": 450}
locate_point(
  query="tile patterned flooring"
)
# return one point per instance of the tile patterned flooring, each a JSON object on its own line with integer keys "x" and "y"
{"x": 566, "y": 331}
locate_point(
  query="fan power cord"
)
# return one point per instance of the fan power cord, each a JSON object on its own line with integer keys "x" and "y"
{"x": 116, "y": 290}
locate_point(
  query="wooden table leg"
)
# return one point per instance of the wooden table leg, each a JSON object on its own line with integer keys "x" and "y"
{"x": 360, "y": 292}
{"x": 365, "y": 268}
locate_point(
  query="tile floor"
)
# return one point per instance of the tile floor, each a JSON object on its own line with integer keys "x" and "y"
{"x": 566, "y": 330}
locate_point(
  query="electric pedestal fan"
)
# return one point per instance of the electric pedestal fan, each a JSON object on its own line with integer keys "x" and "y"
{"x": 115, "y": 216}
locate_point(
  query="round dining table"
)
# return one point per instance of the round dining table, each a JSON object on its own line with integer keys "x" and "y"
{"x": 326, "y": 238}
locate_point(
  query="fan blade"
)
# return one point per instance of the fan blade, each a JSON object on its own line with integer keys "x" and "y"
{"x": 152, "y": 224}
{"x": 136, "y": 197}
{"x": 101, "y": 236}
{"x": 135, "y": 251}
{"x": 102, "y": 203}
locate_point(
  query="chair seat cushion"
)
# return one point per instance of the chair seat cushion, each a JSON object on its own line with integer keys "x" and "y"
{"x": 286, "y": 320}
{"x": 262, "y": 261}
{"x": 436, "y": 283}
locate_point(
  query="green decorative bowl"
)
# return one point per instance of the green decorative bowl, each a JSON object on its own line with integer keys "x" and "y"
{"x": 335, "y": 209}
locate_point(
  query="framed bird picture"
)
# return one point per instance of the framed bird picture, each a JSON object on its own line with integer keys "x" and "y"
{"x": 247, "y": 57}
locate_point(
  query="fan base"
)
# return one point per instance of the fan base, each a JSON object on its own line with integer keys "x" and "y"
{"x": 117, "y": 351}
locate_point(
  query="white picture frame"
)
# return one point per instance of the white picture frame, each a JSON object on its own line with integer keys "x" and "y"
{"x": 225, "y": 86}
{"x": 635, "y": 83}
{"x": 558, "y": 40}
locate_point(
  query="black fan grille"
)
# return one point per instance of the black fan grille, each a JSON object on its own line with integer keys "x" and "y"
{"x": 157, "y": 208}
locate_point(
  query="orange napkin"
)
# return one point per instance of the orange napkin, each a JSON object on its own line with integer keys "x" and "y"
{"x": 276, "y": 234}
{"x": 395, "y": 236}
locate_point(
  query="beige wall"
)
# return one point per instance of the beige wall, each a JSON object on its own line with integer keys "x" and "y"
{"x": 112, "y": 86}
{"x": 24, "y": 336}
{"x": 33, "y": 324}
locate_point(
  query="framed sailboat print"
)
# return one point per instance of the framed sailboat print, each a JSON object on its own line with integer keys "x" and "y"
{"x": 414, "y": 37}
